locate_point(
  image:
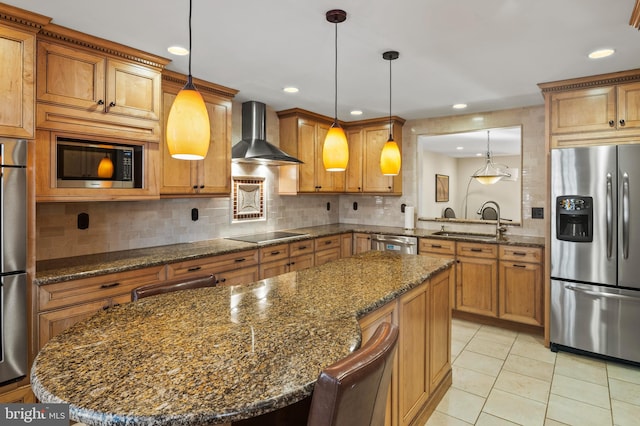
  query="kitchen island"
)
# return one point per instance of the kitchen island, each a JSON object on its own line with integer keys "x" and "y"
{"x": 219, "y": 355}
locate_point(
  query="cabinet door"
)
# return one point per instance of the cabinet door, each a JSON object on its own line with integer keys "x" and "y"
{"x": 307, "y": 154}
{"x": 583, "y": 110}
{"x": 324, "y": 256}
{"x": 52, "y": 323}
{"x": 214, "y": 172}
{"x": 21, "y": 395}
{"x": 356, "y": 153}
{"x": 238, "y": 276}
{"x": 521, "y": 292}
{"x": 361, "y": 242}
{"x": 132, "y": 90}
{"x": 628, "y": 105}
{"x": 373, "y": 179}
{"x": 71, "y": 77}
{"x": 368, "y": 326}
{"x": 346, "y": 245}
{"x": 477, "y": 285}
{"x": 413, "y": 351}
{"x": 303, "y": 261}
{"x": 17, "y": 49}
{"x": 439, "y": 328}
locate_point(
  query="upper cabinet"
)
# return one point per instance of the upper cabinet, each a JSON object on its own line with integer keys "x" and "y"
{"x": 302, "y": 135}
{"x": 211, "y": 176}
{"x": 593, "y": 110}
{"x": 17, "y": 75}
{"x": 93, "y": 86}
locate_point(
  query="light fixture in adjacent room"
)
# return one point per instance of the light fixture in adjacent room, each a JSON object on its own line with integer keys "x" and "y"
{"x": 390, "y": 158}
{"x": 490, "y": 173}
{"x": 188, "y": 130}
{"x": 335, "y": 150}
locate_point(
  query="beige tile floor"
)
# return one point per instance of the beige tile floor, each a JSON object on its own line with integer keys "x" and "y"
{"x": 502, "y": 377}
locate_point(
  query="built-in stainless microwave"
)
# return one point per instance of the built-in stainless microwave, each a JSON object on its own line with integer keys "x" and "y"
{"x": 91, "y": 164}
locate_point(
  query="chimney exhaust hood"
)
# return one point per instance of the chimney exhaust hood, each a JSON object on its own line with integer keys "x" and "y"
{"x": 253, "y": 148}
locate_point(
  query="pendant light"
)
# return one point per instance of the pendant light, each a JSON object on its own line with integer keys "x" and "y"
{"x": 390, "y": 158}
{"x": 335, "y": 150}
{"x": 490, "y": 173}
{"x": 188, "y": 129}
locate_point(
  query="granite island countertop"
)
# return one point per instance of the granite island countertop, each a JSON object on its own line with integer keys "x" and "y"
{"x": 64, "y": 269}
{"x": 220, "y": 354}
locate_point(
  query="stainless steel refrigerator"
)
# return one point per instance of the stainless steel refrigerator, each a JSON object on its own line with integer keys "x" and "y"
{"x": 13, "y": 254}
{"x": 595, "y": 250}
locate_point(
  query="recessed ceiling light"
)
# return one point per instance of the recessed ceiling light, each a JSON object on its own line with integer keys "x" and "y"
{"x": 478, "y": 154}
{"x": 459, "y": 148}
{"x": 356, "y": 112}
{"x": 459, "y": 106}
{"x": 178, "y": 50}
{"x": 291, "y": 89}
{"x": 601, "y": 53}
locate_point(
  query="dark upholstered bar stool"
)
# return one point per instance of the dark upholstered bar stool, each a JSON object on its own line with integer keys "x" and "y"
{"x": 353, "y": 391}
{"x": 173, "y": 285}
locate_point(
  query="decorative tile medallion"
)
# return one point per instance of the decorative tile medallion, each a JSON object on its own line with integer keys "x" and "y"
{"x": 248, "y": 198}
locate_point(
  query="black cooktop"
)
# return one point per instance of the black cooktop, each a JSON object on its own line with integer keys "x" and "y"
{"x": 266, "y": 237}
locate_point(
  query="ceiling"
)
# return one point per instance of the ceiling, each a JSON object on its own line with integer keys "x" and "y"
{"x": 488, "y": 54}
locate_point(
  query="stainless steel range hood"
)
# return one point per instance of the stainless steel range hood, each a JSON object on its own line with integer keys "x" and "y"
{"x": 253, "y": 148}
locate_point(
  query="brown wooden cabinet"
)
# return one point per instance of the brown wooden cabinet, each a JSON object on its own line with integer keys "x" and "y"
{"x": 21, "y": 395}
{"x": 361, "y": 242}
{"x": 288, "y": 257}
{"x": 229, "y": 269}
{"x": 477, "y": 278}
{"x": 365, "y": 156}
{"x": 327, "y": 249}
{"x": 422, "y": 366}
{"x": 593, "y": 110}
{"x": 93, "y": 86}
{"x": 346, "y": 244}
{"x": 443, "y": 249}
{"x": 302, "y": 135}
{"x": 212, "y": 175}
{"x": 63, "y": 304}
{"x": 521, "y": 285}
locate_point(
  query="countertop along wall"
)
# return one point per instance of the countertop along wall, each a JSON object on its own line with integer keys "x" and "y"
{"x": 137, "y": 224}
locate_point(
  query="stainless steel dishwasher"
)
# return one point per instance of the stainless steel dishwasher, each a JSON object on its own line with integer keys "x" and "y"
{"x": 395, "y": 243}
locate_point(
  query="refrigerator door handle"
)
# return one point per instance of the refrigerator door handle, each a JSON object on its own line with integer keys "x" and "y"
{"x": 602, "y": 294}
{"x": 609, "y": 216}
{"x": 625, "y": 215}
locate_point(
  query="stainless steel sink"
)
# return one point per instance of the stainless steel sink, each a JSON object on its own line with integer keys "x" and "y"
{"x": 466, "y": 235}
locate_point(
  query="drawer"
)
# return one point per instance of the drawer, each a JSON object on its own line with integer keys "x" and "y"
{"x": 53, "y": 296}
{"x": 238, "y": 276}
{"x": 325, "y": 243}
{"x": 301, "y": 262}
{"x": 301, "y": 247}
{"x": 271, "y": 269}
{"x": 477, "y": 250}
{"x": 434, "y": 245}
{"x": 521, "y": 254}
{"x": 214, "y": 264}
{"x": 328, "y": 255}
{"x": 272, "y": 253}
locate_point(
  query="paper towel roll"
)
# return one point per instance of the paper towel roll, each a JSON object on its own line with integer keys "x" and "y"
{"x": 409, "y": 217}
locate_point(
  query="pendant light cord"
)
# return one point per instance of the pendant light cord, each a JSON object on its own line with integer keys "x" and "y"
{"x": 190, "y": 7}
{"x": 390, "y": 121}
{"x": 335, "y": 97}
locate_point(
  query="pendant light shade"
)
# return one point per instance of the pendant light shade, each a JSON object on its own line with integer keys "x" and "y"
{"x": 335, "y": 150}
{"x": 188, "y": 131}
{"x": 390, "y": 158}
{"x": 490, "y": 173}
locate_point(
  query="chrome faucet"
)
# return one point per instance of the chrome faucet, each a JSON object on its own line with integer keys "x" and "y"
{"x": 499, "y": 229}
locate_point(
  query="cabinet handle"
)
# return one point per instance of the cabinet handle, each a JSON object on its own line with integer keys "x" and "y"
{"x": 275, "y": 252}
{"x": 622, "y": 123}
{"x": 327, "y": 243}
{"x": 242, "y": 259}
{"x": 292, "y": 263}
{"x": 201, "y": 186}
{"x": 194, "y": 268}
{"x": 195, "y": 186}
{"x": 436, "y": 246}
{"x": 112, "y": 104}
{"x": 476, "y": 249}
{"x": 100, "y": 102}
{"x": 302, "y": 247}
{"x": 110, "y": 285}
{"x": 515, "y": 265}
{"x": 612, "y": 123}
{"x": 519, "y": 253}
{"x": 389, "y": 188}
{"x": 115, "y": 304}
{"x": 223, "y": 280}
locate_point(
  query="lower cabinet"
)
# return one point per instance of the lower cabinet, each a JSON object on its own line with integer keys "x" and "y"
{"x": 230, "y": 269}
{"x": 21, "y": 395}
{"x": 361, "y": 242}
{"x": 477, "y": 278}
{"x": 422, "y": 371}
{"x": 61, "y": 305}
{"x": 521, "y": 285}
{"x": 442, "y": 249}
{"x": 327, "y": 249}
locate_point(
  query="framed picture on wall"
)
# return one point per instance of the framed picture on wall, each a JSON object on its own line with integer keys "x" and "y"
{"x": 442, "y": 188}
